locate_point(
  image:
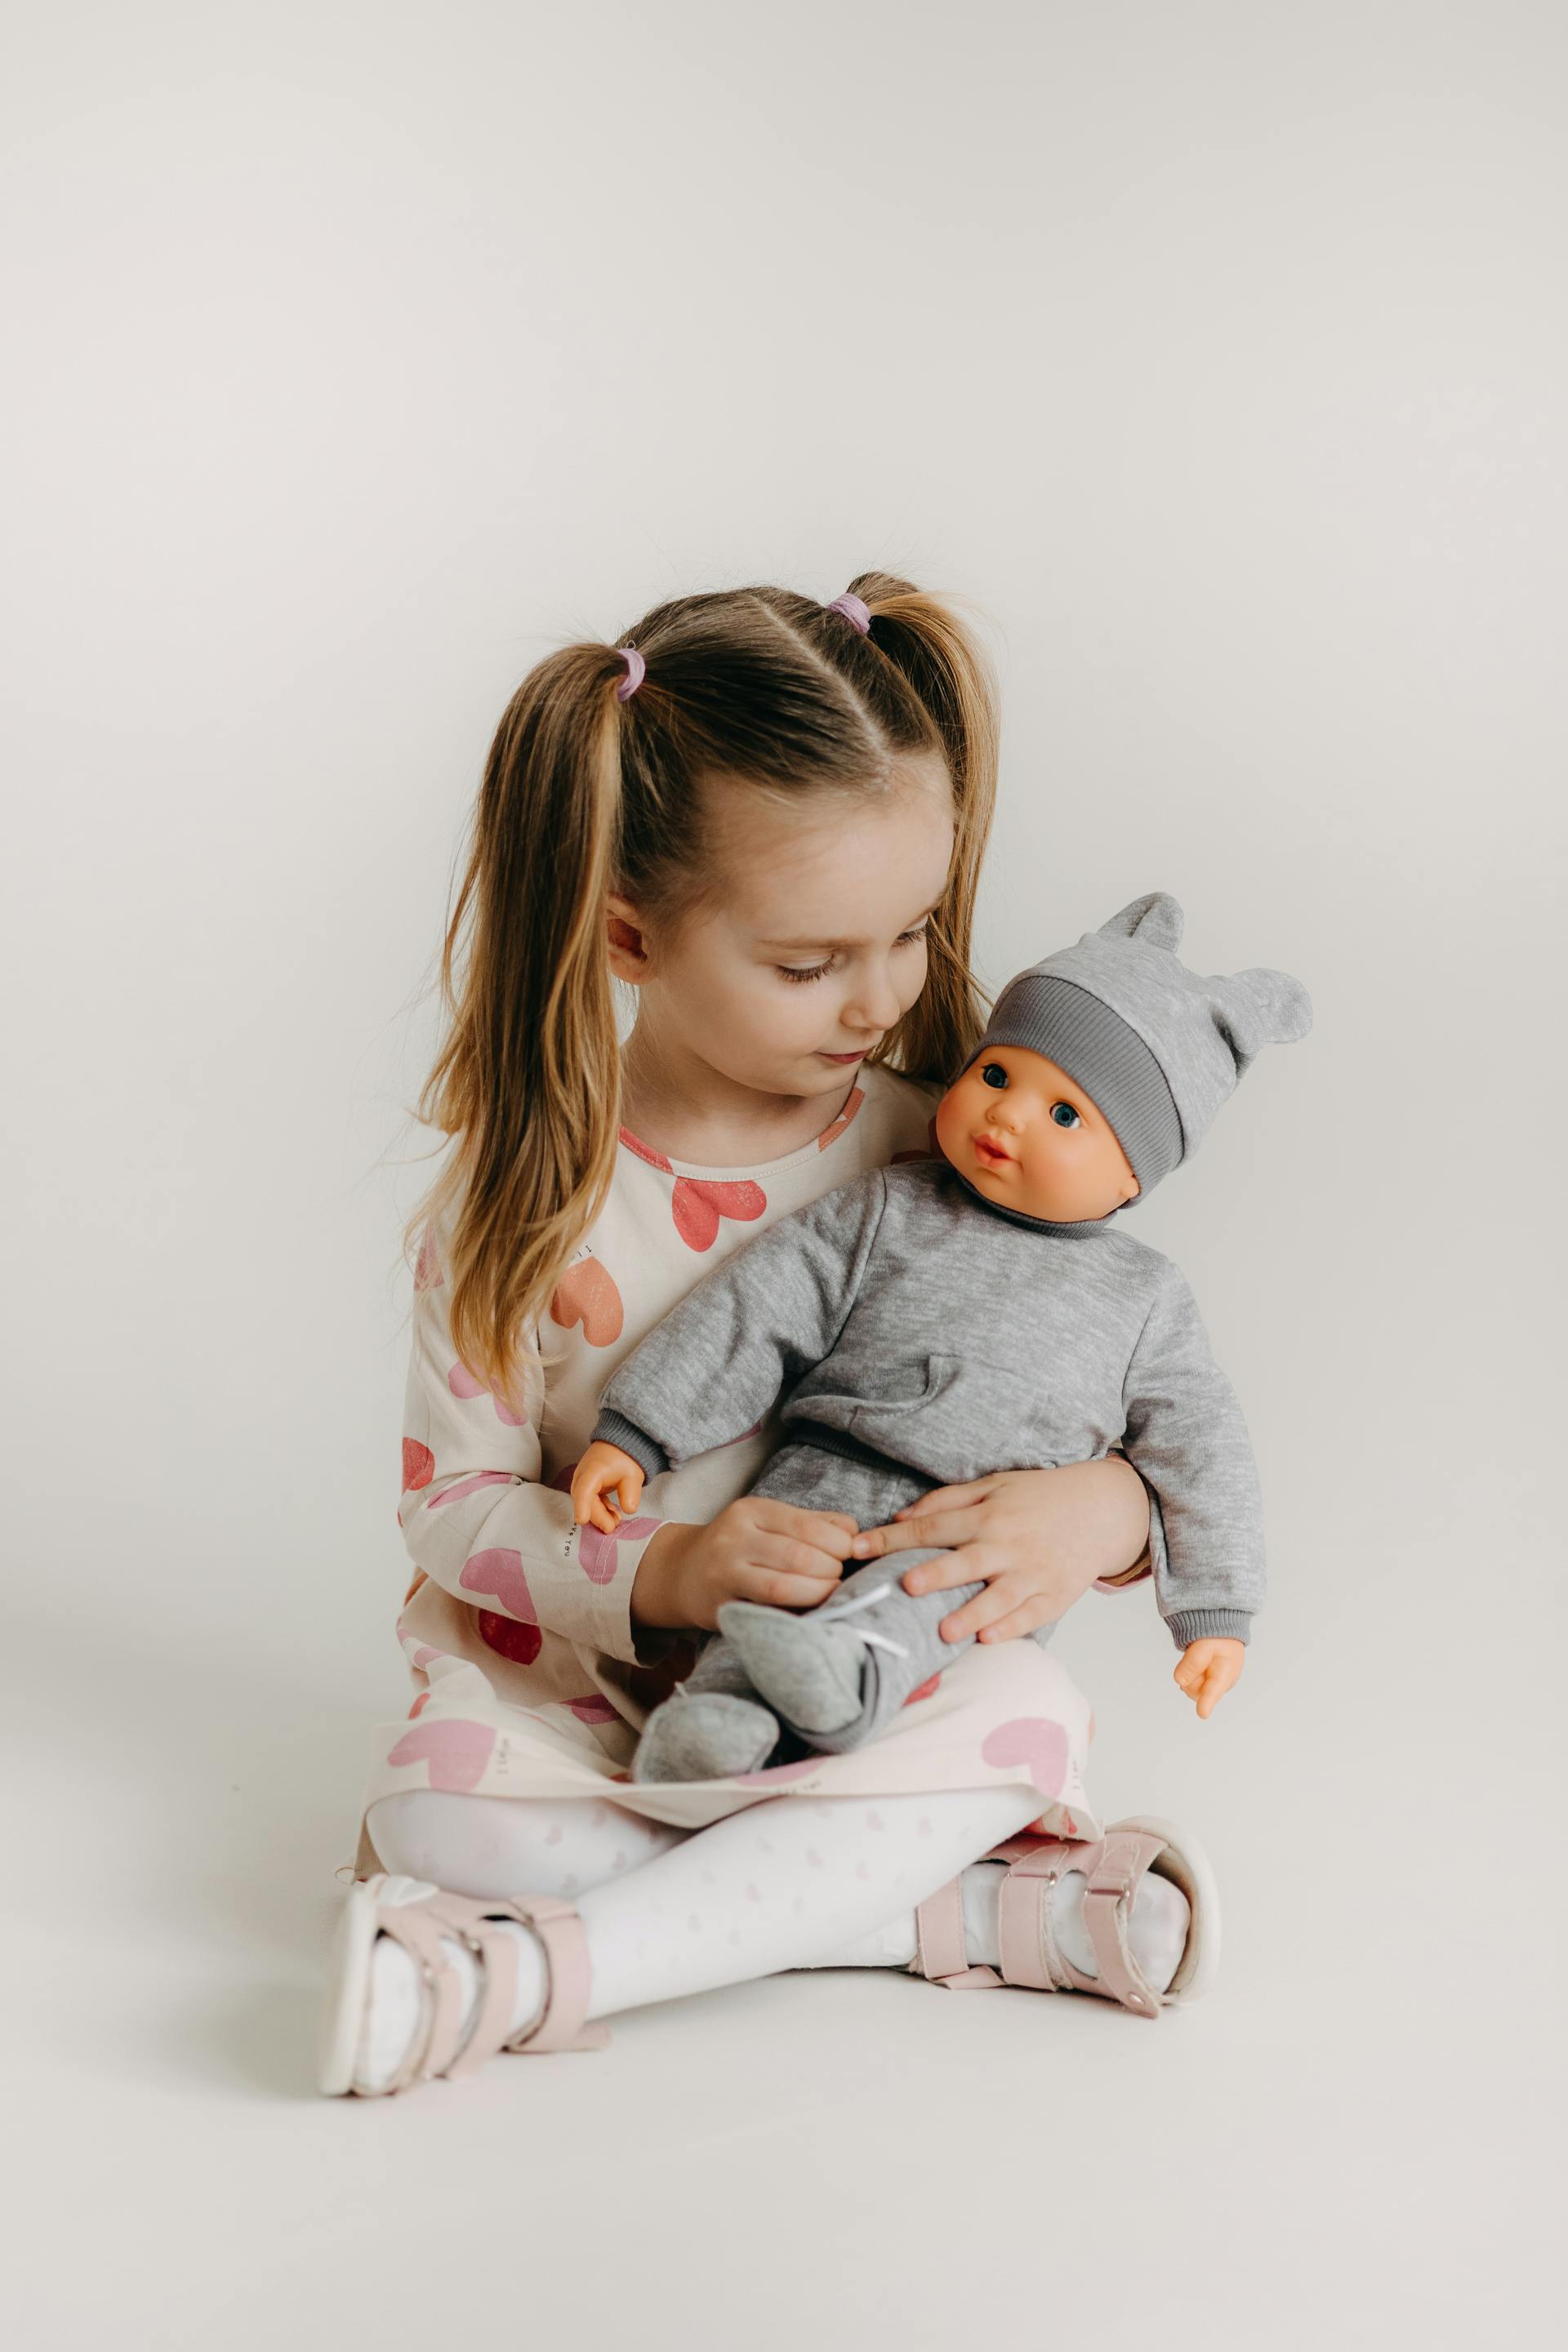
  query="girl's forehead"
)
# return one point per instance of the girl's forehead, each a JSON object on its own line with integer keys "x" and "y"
{"x": 836, "y": 869}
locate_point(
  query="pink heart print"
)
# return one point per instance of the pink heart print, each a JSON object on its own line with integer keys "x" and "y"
{"x": 1034, "y": 1740}
{"x": 593, "y": 1708}
{"x": 500, "y": 1572}
{"x": 418, "y": 1465}
{"x": 596, "y": 1554}
{"x": 697, "y": 1206}
{"x": 463, "y": 1383}
{"x": 470, "y": 1486}
{"x": 456, "y": 1752}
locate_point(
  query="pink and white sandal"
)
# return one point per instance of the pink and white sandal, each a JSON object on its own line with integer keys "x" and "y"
{"x": 1112, "y": 1866}
{"x": 419, "y": 1917}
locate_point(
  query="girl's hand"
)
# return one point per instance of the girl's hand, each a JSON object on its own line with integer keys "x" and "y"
{"x": 1037, "y": 1538}
{"x": 1207, "y": 1670}
{"x": 603, "y": 1466}
{"x": 756, "y": 1550}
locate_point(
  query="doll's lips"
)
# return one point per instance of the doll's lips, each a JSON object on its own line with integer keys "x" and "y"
{"x": 992, "y": 1153}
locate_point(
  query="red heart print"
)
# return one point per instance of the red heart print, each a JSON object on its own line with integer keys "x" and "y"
{"x": 596, "y": 1554}
{"x": 419, "y": 1705}
{"x": 1033, "y": 1741}
{"x": 500, "y": 1572}
{"x": 507, "y": 1639}
{"x": 925, "y": 1689}
{"x": 697, "y": 1206}
{"x": 418, "y": 1465}
{"x": 456, "y": 1752}
{"x": 587, "y": 1294}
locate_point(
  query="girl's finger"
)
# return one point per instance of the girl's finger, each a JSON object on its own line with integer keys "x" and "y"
{"x": 947, "y": 1498}
{"x": 787, "y": 1557}
{"x": 1017, "y": 1622}
{"x": 944, "y": 1527}
{"x": 781, "y": 1590}
{"x": 826, "y": 1531}
{"x": 988, "y": 1608}
{"x": 974, "y": 1562}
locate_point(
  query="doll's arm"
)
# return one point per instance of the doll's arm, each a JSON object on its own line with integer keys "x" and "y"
{"x": 746, "y": 1333}
{"x": 1185, "y": 1435}
{"x": 603, "y": 1468}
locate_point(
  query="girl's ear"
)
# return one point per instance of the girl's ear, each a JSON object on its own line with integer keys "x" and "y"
{"x": 626, "y": 941}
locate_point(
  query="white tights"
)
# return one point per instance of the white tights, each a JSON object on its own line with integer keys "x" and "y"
{"x": 793, "y": 1881}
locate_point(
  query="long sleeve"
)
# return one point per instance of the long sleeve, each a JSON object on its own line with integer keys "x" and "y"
{"x": 474, "y": 1516}
{"x": 1186, "y": 1437}
{"x": 746, "y": 1333}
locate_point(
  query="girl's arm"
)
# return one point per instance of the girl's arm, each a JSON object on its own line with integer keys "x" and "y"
{"x": 1038, "y": 1538}
{"x": 474, "y": 1516}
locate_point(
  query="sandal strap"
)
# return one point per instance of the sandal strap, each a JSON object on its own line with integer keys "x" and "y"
{"x": 440, "y": 2045}
{"x": 563, "y": 2024}
{"x": 419, "y": 1928}
{"x": 940, "y": 1952}
{"x": 1115, "y": 1869}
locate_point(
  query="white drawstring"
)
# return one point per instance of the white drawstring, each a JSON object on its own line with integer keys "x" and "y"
{"x": 864, "y": 1601}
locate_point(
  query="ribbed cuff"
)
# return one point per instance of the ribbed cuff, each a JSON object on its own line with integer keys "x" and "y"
{"x": 614, "y": 1429}
{"x": 1205, "y": 1625}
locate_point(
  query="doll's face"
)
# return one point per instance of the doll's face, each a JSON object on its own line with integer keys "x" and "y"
{"x": 1028, "y": 1138}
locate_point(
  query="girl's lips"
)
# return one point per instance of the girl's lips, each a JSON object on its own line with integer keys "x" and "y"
{"x": 859, "y": 1057}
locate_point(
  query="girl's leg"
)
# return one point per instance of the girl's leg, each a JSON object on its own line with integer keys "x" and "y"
{"x": 787, "y": 1884}
{"x": 487, "y": 1846}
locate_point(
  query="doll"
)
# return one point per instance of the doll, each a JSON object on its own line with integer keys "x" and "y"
{"x": 932, "y": 1322}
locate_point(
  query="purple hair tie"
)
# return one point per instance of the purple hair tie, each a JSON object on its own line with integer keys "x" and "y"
{"x": 637, "y": 670}
{"x": 857, "y": 613}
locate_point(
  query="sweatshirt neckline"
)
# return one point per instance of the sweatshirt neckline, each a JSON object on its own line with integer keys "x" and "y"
{"x": 739, "y": 1173}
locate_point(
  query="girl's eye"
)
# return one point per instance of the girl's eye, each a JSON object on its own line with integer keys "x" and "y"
{"x": 797, "y": 971}
{"x": 993, "y": 1074}
{"x": 1065, "y": 1114}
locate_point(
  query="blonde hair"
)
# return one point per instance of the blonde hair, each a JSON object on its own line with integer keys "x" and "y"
{"x": 584, "y": 793}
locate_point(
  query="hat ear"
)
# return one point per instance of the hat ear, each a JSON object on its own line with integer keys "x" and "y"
{"x": 1155, "y": 919}
{"x": 1264, "y": 1008}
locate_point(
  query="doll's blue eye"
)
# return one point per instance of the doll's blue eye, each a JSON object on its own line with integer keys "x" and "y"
{"x": 1065, "y": 1114}
{"x": 994, "y": 1074}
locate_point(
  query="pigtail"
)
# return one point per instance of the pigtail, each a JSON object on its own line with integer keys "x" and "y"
{"x": 948, "y": 670}
{"x": 528, "y": 1080}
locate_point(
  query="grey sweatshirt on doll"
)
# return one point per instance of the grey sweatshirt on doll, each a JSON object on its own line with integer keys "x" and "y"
{"x": 908, "y": 1319}
{"x": 903, "y": 1312}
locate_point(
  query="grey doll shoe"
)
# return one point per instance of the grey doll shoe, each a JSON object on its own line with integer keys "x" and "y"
{"x": 704, "y": 1735}
{"x": 808, "y": 1664}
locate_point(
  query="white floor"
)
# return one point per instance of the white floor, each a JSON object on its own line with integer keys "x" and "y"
{"x": 1318, "y": 2154}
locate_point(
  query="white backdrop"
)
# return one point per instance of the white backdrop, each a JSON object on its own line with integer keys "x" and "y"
{"x": 358, "y": 354}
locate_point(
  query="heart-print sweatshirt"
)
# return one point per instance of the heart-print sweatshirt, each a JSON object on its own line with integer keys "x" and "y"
{"x": 503, "y": 1579}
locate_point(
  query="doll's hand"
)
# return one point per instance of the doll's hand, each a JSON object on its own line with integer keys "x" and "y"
{"x": 1037, "y": 1538}
{"x": 603, "y": 1466}
{"x": 1207, "y": 1670}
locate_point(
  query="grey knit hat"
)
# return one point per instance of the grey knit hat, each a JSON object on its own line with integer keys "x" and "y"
{"x": 1157, "y": 1048}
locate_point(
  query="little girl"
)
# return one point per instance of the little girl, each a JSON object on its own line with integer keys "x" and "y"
{"x": 767, "y": 815}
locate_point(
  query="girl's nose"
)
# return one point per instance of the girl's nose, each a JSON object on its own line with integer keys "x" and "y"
{"x": 875, "y": 1005}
